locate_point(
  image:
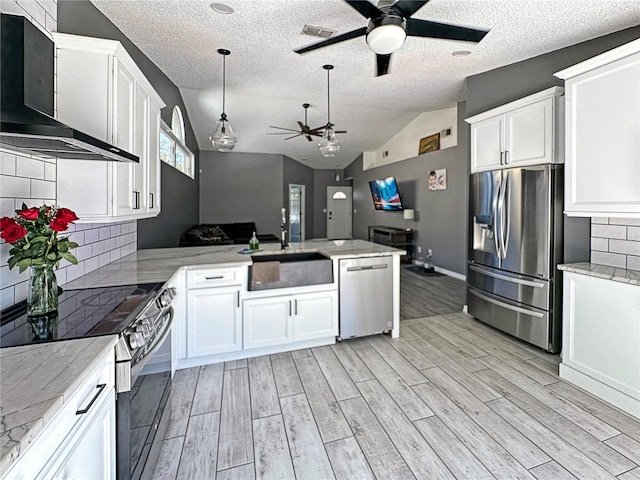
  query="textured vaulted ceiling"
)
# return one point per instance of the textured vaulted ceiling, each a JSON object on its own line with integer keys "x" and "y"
{"x": 267, "y": 82}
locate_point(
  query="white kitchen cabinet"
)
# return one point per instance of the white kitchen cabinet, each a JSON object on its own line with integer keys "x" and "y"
{"x": 601, "y": 338}
{"x": 79, "y": 442}
{"x": 517, "y": 134}
{"x": 101, "y": 91}
{"x": 290, "y": 318}
{"x": 602, "y": 176}
{"x": 89, "y": 450}
{"x": 214, "y": 321}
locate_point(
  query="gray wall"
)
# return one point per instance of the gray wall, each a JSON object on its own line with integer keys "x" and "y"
{"x": 441, "y": 216}
{"x": 321, "y": 180}
{"x": 299, "y": 174}
{"x": 502, "y": 85}
{"x": 242, "y": 187}
{"x": 179, "y": 192}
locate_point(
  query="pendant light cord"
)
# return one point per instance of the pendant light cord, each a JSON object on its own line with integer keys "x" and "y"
{"x": 328, "y": 101}
{"x": 224, "y": 82}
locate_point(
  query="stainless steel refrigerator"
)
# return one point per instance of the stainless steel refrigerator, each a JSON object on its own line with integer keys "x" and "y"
{"x": 516, "y": 242}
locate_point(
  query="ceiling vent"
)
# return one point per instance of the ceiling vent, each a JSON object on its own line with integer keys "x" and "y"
{"x": 320, "y": 32}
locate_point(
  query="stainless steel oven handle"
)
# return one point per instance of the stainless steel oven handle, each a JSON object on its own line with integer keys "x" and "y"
{"x": 135, "y": 369}
{"x": 519, "y": 281}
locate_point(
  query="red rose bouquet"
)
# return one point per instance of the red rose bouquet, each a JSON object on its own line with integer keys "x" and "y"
{"x": 33, "y": 232}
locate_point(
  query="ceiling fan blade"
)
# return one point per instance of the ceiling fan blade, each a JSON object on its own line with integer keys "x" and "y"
{"x": 293, "y": 136}
{"x": 364, "y": 8}
{"x": 340, "y": 131}
{"x": 425, "y": 28}
{"x": 282, "y": 128}
{"x": 309, "y": 138}
{"x": 409, "y": 7}
{"x": 383, "y": 64}
{"x": 330, "y": 41}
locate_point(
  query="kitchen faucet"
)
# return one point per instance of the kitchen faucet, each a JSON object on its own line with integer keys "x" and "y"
{"x": 283, "y": 234}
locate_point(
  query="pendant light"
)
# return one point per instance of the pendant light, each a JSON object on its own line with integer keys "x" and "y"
{"x": 329, "y": 146}
{"x": 223, "y": 138}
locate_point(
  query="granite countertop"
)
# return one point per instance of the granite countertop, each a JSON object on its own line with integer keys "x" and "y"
{"x": 160, "y": 264}
{"x": 36, "y": 382}
{"x": 621, "y": 275}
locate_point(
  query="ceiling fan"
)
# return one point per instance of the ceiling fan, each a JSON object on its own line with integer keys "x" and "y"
{"x": 304, "y": 129}
{"x": 389, "y": 25}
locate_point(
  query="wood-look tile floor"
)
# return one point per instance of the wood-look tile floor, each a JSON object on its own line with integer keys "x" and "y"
{"x": 450, "y": 398}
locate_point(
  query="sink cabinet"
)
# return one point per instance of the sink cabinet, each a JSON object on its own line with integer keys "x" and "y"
{"x": 284, "y": 319}
{"x": 102, "y": 92}
{"x": 520, "y": 133}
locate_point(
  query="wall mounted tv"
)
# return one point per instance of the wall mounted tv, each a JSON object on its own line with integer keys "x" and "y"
{"x": 385, "y": 194}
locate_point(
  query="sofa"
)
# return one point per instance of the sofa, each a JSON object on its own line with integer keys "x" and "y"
{"x": 223, "y": 234}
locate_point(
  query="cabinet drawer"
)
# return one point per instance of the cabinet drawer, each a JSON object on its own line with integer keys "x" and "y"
{"x": 213, "y": 278}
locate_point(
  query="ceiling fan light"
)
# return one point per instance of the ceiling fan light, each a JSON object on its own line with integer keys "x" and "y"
{"x": 386, "y": 39}
{"x": 329, "y": 146}
{"x": 223, "y": 139}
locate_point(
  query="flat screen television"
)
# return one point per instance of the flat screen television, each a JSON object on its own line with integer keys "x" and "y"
{"x": 385, "y": 194}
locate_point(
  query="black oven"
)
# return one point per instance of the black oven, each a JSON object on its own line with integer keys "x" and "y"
{"x": 141, "y": 316}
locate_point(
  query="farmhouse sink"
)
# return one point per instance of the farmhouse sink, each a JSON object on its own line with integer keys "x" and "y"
{"x": 291, "y": 270}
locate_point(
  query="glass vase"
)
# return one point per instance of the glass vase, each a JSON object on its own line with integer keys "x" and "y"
{"x": 42, "y": 295}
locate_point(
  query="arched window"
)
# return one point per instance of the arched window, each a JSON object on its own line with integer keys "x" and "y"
{"x": 339, "y": 196}
{"x": 177, "y": 123}
{"x": 173, "y": 149}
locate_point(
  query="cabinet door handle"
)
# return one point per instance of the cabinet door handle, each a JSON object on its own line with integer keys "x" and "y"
{"x": 506, "y": 157}
{"x": 136, "y": 200}
{"x": 151, "y": 200}
{"x": 289, "y": 307}
{"x": 501, "y": 158}
{"x": 100, "y": 388}
{"x": 238, "y": 298}
{"x": 217, "y": 277}
{"x": 296, "y": 305}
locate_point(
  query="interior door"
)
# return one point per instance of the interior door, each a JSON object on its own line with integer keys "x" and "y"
{"x": 339, "y": 212}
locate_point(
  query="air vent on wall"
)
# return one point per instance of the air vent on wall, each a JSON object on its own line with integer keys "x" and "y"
{"x": 318, "y": 31}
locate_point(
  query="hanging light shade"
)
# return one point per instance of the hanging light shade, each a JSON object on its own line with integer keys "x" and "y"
{"x": 223, "y": 139}
{"x": 329, "y": 146}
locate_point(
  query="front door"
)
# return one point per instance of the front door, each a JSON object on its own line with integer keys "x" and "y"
{"x": 339, "y": 213}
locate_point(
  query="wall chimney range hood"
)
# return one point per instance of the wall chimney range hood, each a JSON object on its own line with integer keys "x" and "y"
{"x": 27, "y": 100}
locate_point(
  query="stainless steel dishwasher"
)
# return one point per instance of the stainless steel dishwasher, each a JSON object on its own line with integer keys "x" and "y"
{"x": 366, "y": 296}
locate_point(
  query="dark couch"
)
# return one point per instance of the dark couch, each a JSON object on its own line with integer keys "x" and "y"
{"x": 223, "y": 234}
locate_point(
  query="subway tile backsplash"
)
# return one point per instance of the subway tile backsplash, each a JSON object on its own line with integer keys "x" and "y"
{"x": 616, "y": 242}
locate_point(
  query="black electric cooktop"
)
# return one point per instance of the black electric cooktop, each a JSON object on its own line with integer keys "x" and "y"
{"x": 81, "y": 313}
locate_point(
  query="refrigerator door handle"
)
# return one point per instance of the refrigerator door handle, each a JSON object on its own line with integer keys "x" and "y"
{"x": 506, "y": 305}
{"x": 501, "y": 219}
{"x": 496, "y": 220}
{"x": 506, "y": 212}
{"x": 519, "y": 281}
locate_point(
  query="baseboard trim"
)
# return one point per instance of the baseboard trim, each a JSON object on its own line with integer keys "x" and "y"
{"x": 449, "y": 273}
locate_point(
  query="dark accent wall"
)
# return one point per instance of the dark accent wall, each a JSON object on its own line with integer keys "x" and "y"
{"x": 179, "y": 194}
{"x": 441, "y": 216}
{"x": 242, "y": 187}
{"x": 299, "y": 174}
{"x": 321, "y": 180}
{"x": 496, "y": 87}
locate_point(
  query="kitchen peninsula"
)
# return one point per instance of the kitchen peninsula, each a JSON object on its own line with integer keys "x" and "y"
{"x": 217, "y": 315}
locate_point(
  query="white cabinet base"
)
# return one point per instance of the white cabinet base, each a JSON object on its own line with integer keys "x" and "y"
{"x": 254, "y": 352}
{"x": 601, "y": 339}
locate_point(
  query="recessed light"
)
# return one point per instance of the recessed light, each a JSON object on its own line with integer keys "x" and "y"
{"x": 221, "y": 8}
{"x": 461, "y": 53}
